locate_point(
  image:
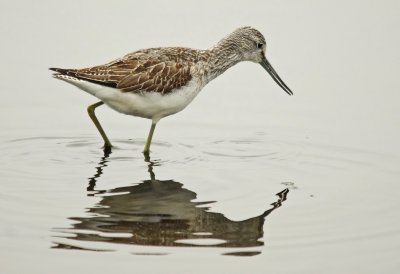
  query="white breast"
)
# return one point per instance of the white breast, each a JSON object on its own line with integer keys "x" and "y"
{"x": 151, "y": 105}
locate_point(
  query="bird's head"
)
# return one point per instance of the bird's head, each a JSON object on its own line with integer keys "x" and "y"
{"x": 251, "y": 46}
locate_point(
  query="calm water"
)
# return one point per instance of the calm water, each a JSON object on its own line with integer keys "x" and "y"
{"x": 246, "y": 180}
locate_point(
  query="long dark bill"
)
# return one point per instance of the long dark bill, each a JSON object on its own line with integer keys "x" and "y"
{"x": 265, "y": 64}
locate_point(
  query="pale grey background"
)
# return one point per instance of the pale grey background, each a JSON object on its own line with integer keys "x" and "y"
{"x": 340, "y": 58}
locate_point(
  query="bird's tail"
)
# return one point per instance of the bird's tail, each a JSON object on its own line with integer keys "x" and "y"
{"x": 69, "y": 72}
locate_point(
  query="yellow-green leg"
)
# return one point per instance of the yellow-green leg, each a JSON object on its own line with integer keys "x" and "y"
{"x": 96, "y": 122}
{"x": 149, "y": 137}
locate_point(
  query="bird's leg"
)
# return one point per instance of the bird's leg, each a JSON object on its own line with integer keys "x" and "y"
{"x": 149, "y": 137}
{"x": 90, "y": 109}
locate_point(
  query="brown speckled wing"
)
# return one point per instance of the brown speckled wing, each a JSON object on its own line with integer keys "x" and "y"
{"x": 139, "y": 72}
{"x": 153, "y": 76}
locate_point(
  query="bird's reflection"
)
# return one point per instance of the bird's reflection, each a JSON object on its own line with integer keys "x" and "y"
{"x": 161, "y": 213}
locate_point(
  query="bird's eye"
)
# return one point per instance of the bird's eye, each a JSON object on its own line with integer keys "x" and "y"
{"x": 259, "y": 45}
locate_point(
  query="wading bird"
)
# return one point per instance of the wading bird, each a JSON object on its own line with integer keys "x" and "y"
{"x": 157, "y": 82}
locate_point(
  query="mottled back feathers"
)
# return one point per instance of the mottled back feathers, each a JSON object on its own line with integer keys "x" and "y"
{"x": 151, "y": 70}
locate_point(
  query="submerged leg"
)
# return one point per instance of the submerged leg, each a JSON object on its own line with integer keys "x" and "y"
{"x": 92, "y": 115}
{"x": 147, "y": 146}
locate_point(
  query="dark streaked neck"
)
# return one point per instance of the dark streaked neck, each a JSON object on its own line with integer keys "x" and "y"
{"x": 221, "y": 57}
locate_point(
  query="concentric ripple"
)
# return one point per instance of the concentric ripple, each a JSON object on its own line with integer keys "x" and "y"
{"x": 185, "y": 193}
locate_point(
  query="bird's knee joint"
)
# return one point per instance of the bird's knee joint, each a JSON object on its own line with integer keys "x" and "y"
{"x": 90, "y": 109}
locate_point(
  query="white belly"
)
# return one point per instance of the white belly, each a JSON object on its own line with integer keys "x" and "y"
{"x": 149, "y": 105}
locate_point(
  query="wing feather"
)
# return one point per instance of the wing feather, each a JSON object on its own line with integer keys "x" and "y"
{"x": 152, "y": 70}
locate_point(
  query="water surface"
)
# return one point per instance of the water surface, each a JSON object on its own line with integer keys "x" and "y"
{"x": 245, "y": 180}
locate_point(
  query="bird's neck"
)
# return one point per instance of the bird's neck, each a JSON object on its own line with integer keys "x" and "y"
{"x": 220, "y": 58}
